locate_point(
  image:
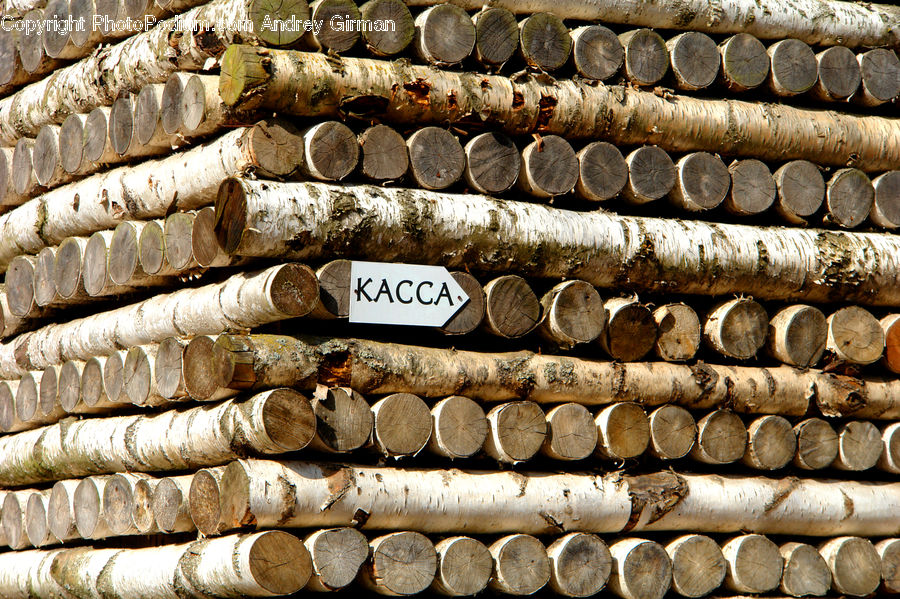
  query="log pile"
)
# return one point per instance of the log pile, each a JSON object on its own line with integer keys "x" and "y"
{"x": 670, "y": 365}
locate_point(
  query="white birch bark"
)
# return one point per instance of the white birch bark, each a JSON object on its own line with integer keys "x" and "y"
{"x": 173, "y": 440}
{"x": 185, "y": 180}
{"x": 243, "y": 301}
{"x": 307, "y": 84}
{"x": 815, "y": 22}
{"x": 477, "y": 232}
{"x": 306, "y": 494}
{"x": 257, "y": 565}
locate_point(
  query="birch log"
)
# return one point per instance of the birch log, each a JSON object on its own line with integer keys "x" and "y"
{"x": 170, "y": 505}
{"x": 512, "y": 309}
{"x": 265, "y": 361}
{"x": 148, "y": 190}
{"x": 147, "y": 57}
{"x": 572, "y": 313}
{"x": 839, "y": 74}
{"x": 400, "y": 563}
{"x": 695, "y": 60}
{"x": 272, "y": 422}
{"x": 596, "y": 52}
{"x": 571, "y": 433}
{"x": 678, "y": 332}
{"x": 797, "y": 335}
{"x": 61, "y": 510}
{"x": 516, "y": 431}
{"x": 886, "y": 208}
{"x": 333, "y": 36}
{"x": 243, "y": 301}
{"x": 265, "y": 564}
{"x": 496, "y": 36}
{"x": 646, "y": 56}
{"x": 859, "y": 446}
{"x": 445, "y": 35}
{"x": 384, "y": 153}
{"x": 630, "y": 332}
{"x": 673, "y": 432}
{"x": 284, "y": 81}
{"x": 464, "y": 567}
{"x": 849, "y": 198}
{"x": 37, "y": 529}
{"x": 402, "y": 425}
{"x": 580, "y": 565}
{"x": 736, "y": 328}
{"x": 492, "y": 162}
{"x": 118, "y": 503}
{"x": 753, "y": 188}
{"x": 641, "y": 569}
{"x": 890, "y": 453}
{"x": 794, "y": 69}
{"x": 337, "y": 555}
{"x": 521, "y": 565}
{"x": 754, "y": 564}
{"x": 805, "y": 572}
{"x": 721, "y": 438}
{"x": 855, "y": 565}
{"x": 880, "y": 71}
{"x": 801, "y": 191}
{"x": 141, "y": 510}
{"x": 261, "y": 219}
{"x": 344, "y": 421}
{"x": 602, "y": 172}
{"x": 544, "y": 41}
{"x": 771, "y": 443}
{"x": 623, "y": 431}
{"x": 817, "y": 444}
{"x": 889, "y": 550}
{"x": 698, "y": 566}
{"x": 854, "y": 336}
{"x": 459, "y": 427}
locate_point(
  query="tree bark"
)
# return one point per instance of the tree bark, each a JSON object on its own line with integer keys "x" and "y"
{"x": 170, "y": 503}
{"x": 641, "y": 569}
{"x": 754, "y": 564}
{"x": 265, "y": 361}
{"x": 794, "y": 69}
{"x": 549, "y": 168}
{"x": 492, "y": 163}
{"x": 580, "y": 565}
{"x": 496, "y": 36}
{"x": 400, "y": 563}
{"x": 445, "y": 35}
{"x": 695, "y": 60}
{"x": 148, "y": 190}
{"x": 797, "y": 335}
{"x": 459, "y": 428}
{"x": 673, "y": 432}
{"x": 391, "y": 40}
{"x": 855, "y": 336}
{"x": 698, "y": 566}
{"x": 384, "y": 154}
{"x": 402, "y": 425}
{"x": 264, "y": 564}
{"x": 839, "y": 74}
{"x": 516, "y": 431}
{"x": 859, "y": 446}
{"x": 623, "y": 431}
{"x": 544, "y": 41}
{"x": 849, "y": 198}
{"x": 880, "y": 73}
{"x": 337, "y": 556}
{"x": 721, "y": 438}
{"x": 817, "y": 444}
{"x": 567, "y": 108}
{"x": 771, "y": 443}
{"x": 602, "y": 172}
{"x": 801, "y": 191}
{"x": 745, "y": 64}
{"x": 152, "y": 443}
{"x": 630, "y": 331}
{"x": 737, "y": 328}
{"x": 886, "y": 208}
{"x": 571, "y": 433}
{"x": 646, "y": 56}
{"x": 240, "y": 302}
{"x": 753, "y": 188}
{"x": 344, "y": 421}
{"x": 855, "y": 565}
{"x": 521, "y": 565}
{"x": 436, "y": 158}
{"x": 464, "y": 567}
{"x": 805, "y": 572}
{"x": 597, "y": 52}
{"x": 512, "y": 309}
{"x": 678, "y": 332}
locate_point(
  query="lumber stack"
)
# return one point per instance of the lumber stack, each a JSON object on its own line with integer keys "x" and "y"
{"x": 671, "y": 365}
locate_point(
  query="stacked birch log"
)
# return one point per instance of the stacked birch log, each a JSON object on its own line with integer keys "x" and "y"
{"x": 674, "y": 373}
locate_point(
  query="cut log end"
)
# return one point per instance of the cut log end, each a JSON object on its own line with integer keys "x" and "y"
{"x": 445, "y": 34}
{"x": 46, "y": 157}
{"x": 855, "y": 336}
{"x": 331, "y": 151}
{"x": 642, "y": 569}
{"x": 170, "y": 115}
{"x": 20, "y": 285}
{"x": 95, "y": 269}
{"x": 45, "y": 277}
{"x": 678, "y": 337}
{"x": 167, "y": 368}
{"x": 329, "y": 13}
{"x": 516, "y": 431}
{"x": 200, "y": 369}
{"x": 580, "y": 565}
{"x": 623, "y": 431}
{"x": 27, "y": 398}
{"x": 118, "y": 499}
{"x": 521, "y": 565}
{"x": 88, "y": 501}
{"x": 511, "y": 307}
{"x": 573, "y": 313}
{"x": 492, "y": 163}
{"x": 855, "y": 565}
{"x": 177, "y": 232}
{"x": 880, "y": 71}
{"x": 701, "y": 182}
{"x": 839, "y": 73}
{"x": 859, "y": 446}
{"x": 265, "y": 12}
{"x": 124, "y": 258}
{"x": 71, "y": 142}
{"x": 294, "y": 290}
{"x": 471, "y": 315}
{"x": 93, "y": 390}
{"x": 402, "y": 424}
{"x": 794, "y": 69}
{"x": 630, "y": 330}
{"x": 205, "y": 496}
{"x": 771, "y": 443}
{"x": 695, "y": 60}
{"x": 384, "y": 154}
{"x": 698, "y": 566}
{"x": 141, "y": 507}
{"x": 817, "y": 444}
{"x": 464, "y": 567}
{"x": 754, "y": 564}
{"x": 544, "y": 41}
{"x": 673, "y": 432}
{"x": 801, "y": 191}
{"x": 889, "y": 550}
{"x": 737, "y": 328}
{"x": 279, "y": 562}
{"x": 849, "y": 198}
{"x": 36, "y": 529}
{"x": 344, "y": 420}
{"x": 753, "y": 188}
{"x": 797, "y": 335}
{"x": 886, "y": 208}
{"x": 400, "y": 563}
{"x": 602, "y": 172}
{"x": 60, "y": 516}
{"x": 651, "y": 175}
{"x": 337, "y": 555}
{"x": 646, "y": 56}
{"x": 288, "y": 420}
{"x": 496, "y": 36}
{"x": 460, "y": 427}
{"x": 436, "y": 158}
{"x": 597, "y": 52}
{"x": 152, "y": 248}
{"x": 23, "y": 179}
{"x": 745, "y": 63}
{"x": 721, "y": 438}
{"x": 167, "y": 501}
{"x": 805, "y": 572}
{"x": 394, "y": 39}
{"x": 549, "y": 167}
{"x": 137, "y": 376}
{"x": 571, "y": 433}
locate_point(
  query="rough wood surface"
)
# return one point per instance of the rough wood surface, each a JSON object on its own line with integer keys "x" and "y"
{"x": 855, "y": 336}
{"x": 745, "y": 63}
{"x": 801, "y": 191}
{"x": 571, "y": 433}
{"x": 859, "y": 446}
{"x": 61, "y": 511}
{"x": 344, "y": 421}
{"x": 630, "y": 332}
{"x": 602, "y": 172}
{"x": 886, "y": 207}
{"x": 646, "y": 56}
{"x": 695, "y": 60}
{"x": 511, "y": 307}
{"x": 623, "y": 431}
{"x": 436, "y": 158}
{"x": 580, "y": 565}
{"x": 880, "y": 74}
{"x": 849, "y": 197}
{"x": 597, "y": 52}
{"x": 19, "y": 282}
{"x": 673, "y": 432}
{"x": 464, "y": 567}
{"x": 384, "y": 154}
{"x": 521, "y": 565}
{"x": 178, "y": 238}
{"x": 141, "y": 509}
{"x": 572, "y": 313}
{"x": 839, "y": 74}
{"x": 337, "y": 555}
{"x": 701, "y": 182}
{"x": 445, "y": 35}
{"x": 170, "y": 503}
{"x": 678, "y": 332}
{"x": 400, "y": 563}
{"x": 330, "y": 151}
{"x": 549, "y": 167}
{"x": 805, "y": 572}
{"x": 698, "y": 566}
{"x": 641, "y": 569}
{"x": 496, "y": 35}
{"x": 332, "y": 36}
{"x": 516, "y": 431}
{"x": 167, "y": 368}
{"x": 889, "y": 550}
{"x": 793, "y": 69}
{"x": 721, "y": 438}
{"x": 204, "y": 497}
{"x": 459, "y": 427}
{"x": 45, "y": 277}
{"x": 737, "y": 328}
{"x": 492, "y": 163}
{"x": 797, "y": 335}
{"x": 855, "y": 565}
{"x": 651, "y": 175}
{"x": 389, "y": 40}
{"x": 771, "y": 443}
{"x": 753, "y": 188}
{"x": 544, "y": 41}
{"x": 754, "y": 564}
{"x": 37, "y": 529}
{"x": 402, "y": 425}
{"x": 471, "y": 315}
{"x": 817, "y": 444}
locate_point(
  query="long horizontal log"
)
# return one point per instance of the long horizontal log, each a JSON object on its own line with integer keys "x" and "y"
{"x": 816, "y": 22}
{"x": 148, "y": 57}
{"x": 305, "y": 494}
{"x": 264, "y": 564}
{"x": 243, "y": 301}
{"x": 306, "y": 84}
{"x": 272, "y": 422}
{"x": 152, "y": 189}
{"x": 320, "y": 221}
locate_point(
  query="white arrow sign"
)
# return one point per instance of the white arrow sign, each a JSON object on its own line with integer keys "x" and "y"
{"x": 406, "y": 294}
